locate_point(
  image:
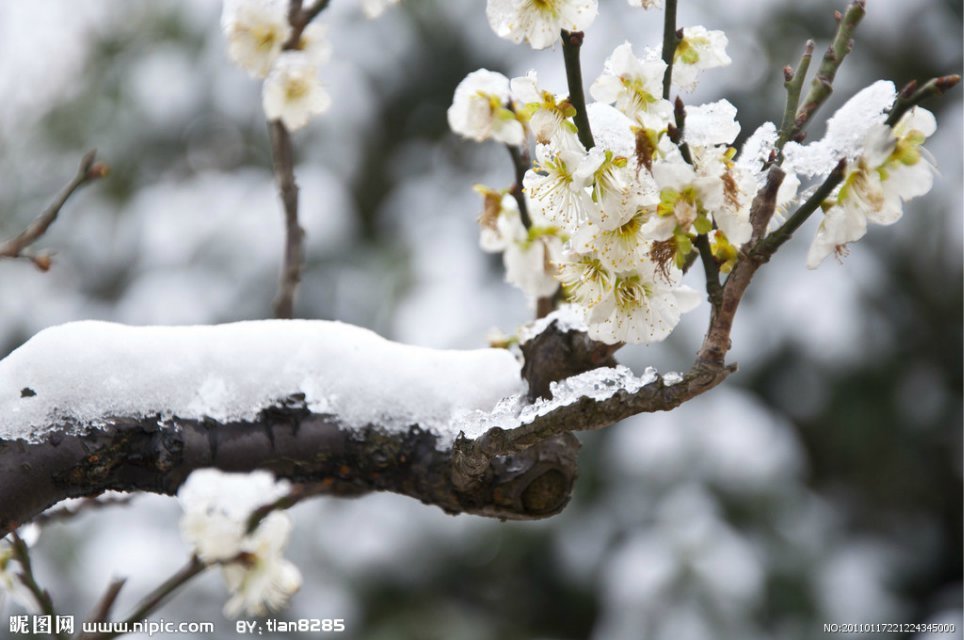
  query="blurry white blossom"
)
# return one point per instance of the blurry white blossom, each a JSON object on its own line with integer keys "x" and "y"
{"x": 256, "y": 30}
{"x": 374, "y": 8}
{"x": 292, "y": 93}
{"x": 479, "y": 109}
{"x": 529, "y": 255}
{"x": 647, "y": 4}
{"x": 262, "y": 580}
{"x": 314, "y": 43}
{"x": 539, "y": 22}
{"x": 217, "y": 506}
{"x": 698, "y": 50}
{"x": 893, "y": 168}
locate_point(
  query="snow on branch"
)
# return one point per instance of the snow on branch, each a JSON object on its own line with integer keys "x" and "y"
{"x": 92, "y": 406}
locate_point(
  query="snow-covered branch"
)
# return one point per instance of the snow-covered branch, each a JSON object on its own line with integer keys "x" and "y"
{"x": 90, "y": 406}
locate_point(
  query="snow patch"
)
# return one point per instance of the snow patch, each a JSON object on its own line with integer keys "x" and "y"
{"x": 568, "y": 318}
{"x": 597, "y": 384}
{"x": 84, "y": 373}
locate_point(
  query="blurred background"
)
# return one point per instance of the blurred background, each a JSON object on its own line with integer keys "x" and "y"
{"x": 822, "y": 483}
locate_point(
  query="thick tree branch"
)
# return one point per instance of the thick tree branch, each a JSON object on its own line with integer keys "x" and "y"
{"x": 156, "y": 455}
{"x": 88, "y": 172}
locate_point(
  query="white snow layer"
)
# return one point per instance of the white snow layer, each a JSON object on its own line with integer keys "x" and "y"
{"x": 514, "y": 411}
{"x": 846, "y": 132}
{"x": 87, "y": 372}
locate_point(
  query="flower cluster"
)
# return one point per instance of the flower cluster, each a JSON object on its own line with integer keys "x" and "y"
{"x": 886, "y": 167}
{"x": 258, "y": 34}
{"x": 617, "y": 224}
{"x": 216, "y": 507}
{"x": 613, "y": 223}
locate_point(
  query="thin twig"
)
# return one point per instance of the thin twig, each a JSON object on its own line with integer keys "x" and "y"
{"x": 671, "y": 39}
{"x": 910, "y": 96}
{"x": 157, "y": 597}
{"x": 22, "y": 554}
{"x": 300, "y": 18}
{"x": 822, "y": 85}
{"x": 282, "y": 155}
{"x": 520, "y": 163}
{"x": 294, "y": 496}
{"x": 768, "y": 246}
{"x": 101, "y": 612}
{"x": 571, "y": 44}
{"x": 793, "y": 81}
{"x": 714, "y": 291}
{"x": 89, "y": 171}
{"x": 765, "y": 204}
{"x": 677, "y": 132}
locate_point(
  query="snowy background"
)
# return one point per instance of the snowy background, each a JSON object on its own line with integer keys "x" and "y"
{"x": 820, "y": 484}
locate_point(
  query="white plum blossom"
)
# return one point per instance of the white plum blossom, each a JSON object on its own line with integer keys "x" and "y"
{"x": 893, "y": 168}
{"x": 620, "y": 248}
{"x": 314, "y": 43}
{"x": 256, "y": 30}
{"x": 529, "y": 255}
{"x": 479, "y": 109}
{"x": 548, "y": 116}
{"x": 685, "y": 200}
{"x": 216, "y": 507}
{"x": 292, "y": 92}
{"x": 635, "y": 86}
{"x": 645, "y": 306}
{"x": 262, "y": 580}
{"x": 556, "y": 188}
{"x": 375, "y": 8}
{"x": 539, "y": 22}
{"x": 618, "y": 189}
{"x": 699, "y": 49}
{"x": 585, "y": 279}
{"x": 646, "y": 4}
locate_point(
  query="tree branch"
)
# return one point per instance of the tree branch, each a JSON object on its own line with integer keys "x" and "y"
{"x": 910, "y": 96}
{"x": 282, "y": 155}
{"x": 671, "y": 39}
{"x": 571, "y": 44}
{"x": 88, "y": 172}
{"x": 157, "y": 455}
{"x": 156, "y": 597}
{"x": 793, "y": 81}
{"x": 520, "y": 164}
{"x": 822, "y": 85}
{"x": 41, "y": 595}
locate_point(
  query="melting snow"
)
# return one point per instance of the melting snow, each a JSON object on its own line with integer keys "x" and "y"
{"x": 598, "y": 384}
{"x": 846, "y": 131}
{"x": 567, "y": 317}
{"x": 86, "y": 372}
